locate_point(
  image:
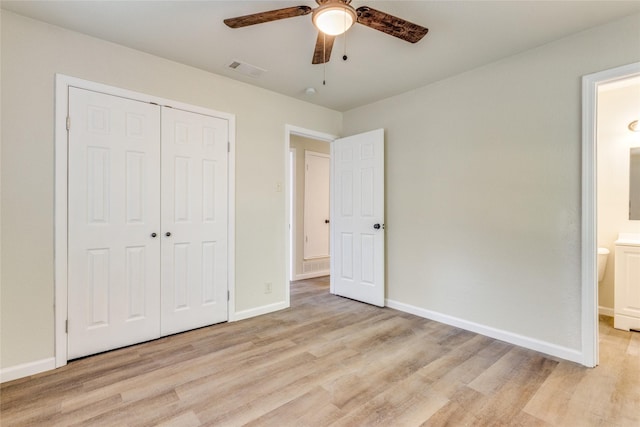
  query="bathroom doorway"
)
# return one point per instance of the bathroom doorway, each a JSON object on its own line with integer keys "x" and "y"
{"x": 599, "y": 131}
{"x": 618, "y": 105}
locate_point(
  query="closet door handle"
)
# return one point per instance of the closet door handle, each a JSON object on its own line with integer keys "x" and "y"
{"x": 168, "y": 234}
{"x": 154, "y": 234}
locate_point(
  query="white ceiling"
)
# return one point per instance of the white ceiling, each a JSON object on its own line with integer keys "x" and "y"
{"x": 462, "y": 35}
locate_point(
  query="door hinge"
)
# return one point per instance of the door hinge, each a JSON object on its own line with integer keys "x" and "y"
{"x": 68, "y": 123}
{"x": 228, "y": 295}
{"x": 66, "y": 326}
{"x": 228, "y": 147}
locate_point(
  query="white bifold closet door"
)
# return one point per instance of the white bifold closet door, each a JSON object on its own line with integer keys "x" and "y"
{"x": 147, "y": 221}
{"x": 114, "y": 198}
{"x": 194, "y": 220}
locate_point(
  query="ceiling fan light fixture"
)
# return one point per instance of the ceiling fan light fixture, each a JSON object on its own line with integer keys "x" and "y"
{"x": 334, "y": 19}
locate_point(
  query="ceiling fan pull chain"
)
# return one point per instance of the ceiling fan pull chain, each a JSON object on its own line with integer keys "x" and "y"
{"x": 324, "y": 59}
{"x": 344, "y": 55}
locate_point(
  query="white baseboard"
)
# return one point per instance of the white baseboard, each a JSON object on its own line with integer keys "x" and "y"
{"x": 27, "y": 369}
{"x": 510, "y": 337}
{"x": 311, "y": 275}
{"x": 259, "y": 311}
{"x": 606, "y": 311}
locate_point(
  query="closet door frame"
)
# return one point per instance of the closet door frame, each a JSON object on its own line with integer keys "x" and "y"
{"x": 62, "y": 84}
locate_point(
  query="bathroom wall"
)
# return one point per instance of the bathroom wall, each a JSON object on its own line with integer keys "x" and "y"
{"x": 618, "y": 105}
{"x": 301, "y": 268}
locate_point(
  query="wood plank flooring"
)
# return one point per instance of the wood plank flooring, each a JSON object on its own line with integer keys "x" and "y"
{"x": 330, "y": 361}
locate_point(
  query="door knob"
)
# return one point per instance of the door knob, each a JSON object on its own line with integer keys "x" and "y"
{"x": 326, "y": 221}
{"x": 168, "y": 234}
{"x": 376, "y": 226}
{"x": 154, "y": 234}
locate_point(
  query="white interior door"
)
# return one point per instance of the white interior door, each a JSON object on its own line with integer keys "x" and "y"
{"x": 316, "y": 204}
{"x": 113, "y": 211}
{"x": 357, "y": 221}
{"x": 194, "y": 220}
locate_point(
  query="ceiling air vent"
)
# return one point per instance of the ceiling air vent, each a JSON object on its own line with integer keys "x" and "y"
{"x": 247, "y": 69}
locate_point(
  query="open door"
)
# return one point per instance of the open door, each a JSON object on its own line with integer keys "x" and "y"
{"x": 357, "y": 221}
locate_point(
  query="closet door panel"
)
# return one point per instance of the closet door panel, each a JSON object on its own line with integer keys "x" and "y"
{"x": 113, "y": 208}
{"x": 194, "y": 220}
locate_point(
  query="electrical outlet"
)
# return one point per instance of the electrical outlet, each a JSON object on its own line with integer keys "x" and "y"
{"x": 278, "y": 187}
{"x": 268, "y": 287}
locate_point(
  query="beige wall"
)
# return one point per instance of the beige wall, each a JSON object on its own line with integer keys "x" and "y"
{"x": 483, "y": 185}
{"x": 32, "y": 52}
{"x": 301, "y": 144}
{"x": 616, "y": 109}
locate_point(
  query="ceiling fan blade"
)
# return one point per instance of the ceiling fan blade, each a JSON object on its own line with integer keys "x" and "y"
{"x": 390, "y": 24}
{"x": 271, "y": 15}
{"x": 324, "y": 44}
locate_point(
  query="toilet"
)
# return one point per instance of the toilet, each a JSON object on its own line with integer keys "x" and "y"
{"x": 603, "y": 253}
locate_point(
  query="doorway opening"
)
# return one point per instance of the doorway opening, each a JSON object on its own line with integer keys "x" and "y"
{"x": 316, "y": 146}
{"x": 310, "y": 196}
{"x": 591, "y": 239}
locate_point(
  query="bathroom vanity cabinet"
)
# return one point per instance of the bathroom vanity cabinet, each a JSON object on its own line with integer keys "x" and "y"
{"x": 627, "y": 283}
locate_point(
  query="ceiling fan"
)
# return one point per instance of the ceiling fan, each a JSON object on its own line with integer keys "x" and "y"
{"x": 334, "y": 17}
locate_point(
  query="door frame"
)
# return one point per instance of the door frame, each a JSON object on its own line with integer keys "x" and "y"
{"x": 62, "y": 84}
{"x": 288, "y": 224}
{"x": 589, "y": 274}
{"x": 291, "y": 177}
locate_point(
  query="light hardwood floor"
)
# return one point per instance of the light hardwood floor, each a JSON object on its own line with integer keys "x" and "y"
{"x": 330, "y": 361}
